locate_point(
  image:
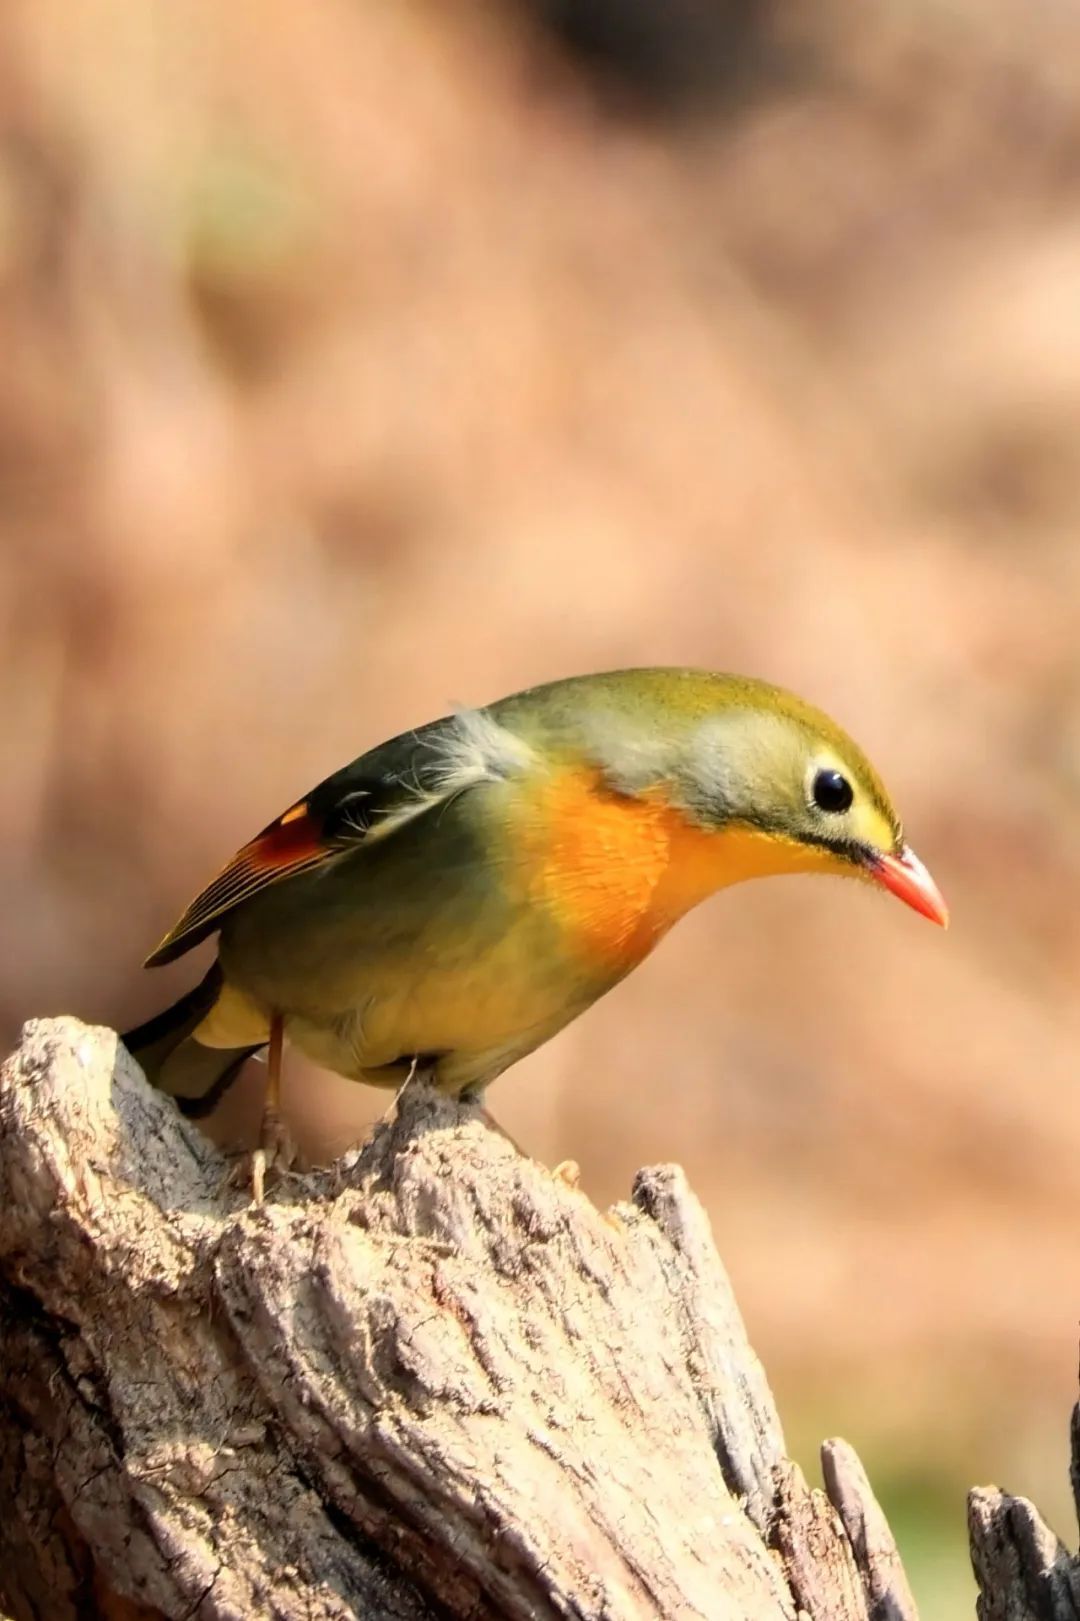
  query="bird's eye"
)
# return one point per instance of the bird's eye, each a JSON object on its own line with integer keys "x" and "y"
{"x": 832, "y": 792}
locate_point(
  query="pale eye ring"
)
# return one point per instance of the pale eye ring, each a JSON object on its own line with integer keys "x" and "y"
{"x": 832, "y": 792}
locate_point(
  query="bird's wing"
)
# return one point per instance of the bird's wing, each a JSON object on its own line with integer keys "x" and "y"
{"x": 307, "y": 835}
{"x": 368, "y": 799}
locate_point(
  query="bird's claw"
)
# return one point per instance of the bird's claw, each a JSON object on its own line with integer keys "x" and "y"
{"x": 276, "y": 1154}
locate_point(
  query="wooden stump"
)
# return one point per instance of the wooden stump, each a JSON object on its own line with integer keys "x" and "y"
{"x": 1024, "y": 1572}
{"x": 431, "y": 1382}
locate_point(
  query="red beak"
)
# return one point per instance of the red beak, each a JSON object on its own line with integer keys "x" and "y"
{"x": 906, "y": 876}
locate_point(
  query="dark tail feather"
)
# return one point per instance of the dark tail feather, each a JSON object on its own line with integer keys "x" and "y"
{"x": 196, "y": 1076}
{"x": 151, "y": 1043}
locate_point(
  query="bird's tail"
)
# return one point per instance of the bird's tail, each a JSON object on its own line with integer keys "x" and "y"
{"x": 172, "y": 1060}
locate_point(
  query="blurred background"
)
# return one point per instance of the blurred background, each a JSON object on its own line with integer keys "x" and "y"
{"x": 362, "y": 358}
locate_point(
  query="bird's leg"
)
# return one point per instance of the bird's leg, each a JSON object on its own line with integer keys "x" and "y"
{"x": 274, "y": 1145}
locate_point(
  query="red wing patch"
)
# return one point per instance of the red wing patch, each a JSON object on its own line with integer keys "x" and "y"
{"x": 292, "y": 844}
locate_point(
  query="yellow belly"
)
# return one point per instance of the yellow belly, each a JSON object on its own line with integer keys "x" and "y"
{"x": 477, "y": 1014}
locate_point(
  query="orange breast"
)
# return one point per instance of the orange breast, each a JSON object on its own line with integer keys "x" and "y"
{"x": 616, "y": 872}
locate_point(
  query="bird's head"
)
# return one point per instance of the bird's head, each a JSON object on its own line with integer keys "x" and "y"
{"x": 780, "y": 787}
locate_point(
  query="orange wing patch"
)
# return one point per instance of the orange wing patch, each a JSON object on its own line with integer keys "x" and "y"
{"x": 292, "y": 844}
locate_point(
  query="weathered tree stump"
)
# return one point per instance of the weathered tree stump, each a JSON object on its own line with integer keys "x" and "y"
{"x": 431, "y": 1382}
{"x": 1024, "y": 1572}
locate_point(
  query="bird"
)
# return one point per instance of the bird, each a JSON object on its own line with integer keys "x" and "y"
{"x": 459, "y": 894}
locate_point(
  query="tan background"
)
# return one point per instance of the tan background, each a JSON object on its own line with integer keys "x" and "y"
{"x": 360, "y": 358}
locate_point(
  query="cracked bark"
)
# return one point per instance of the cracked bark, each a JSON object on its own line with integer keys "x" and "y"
{"x": 433, "y": 1382}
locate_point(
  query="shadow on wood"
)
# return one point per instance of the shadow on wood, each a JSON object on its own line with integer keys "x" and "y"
{"x": 431, "y": 1382}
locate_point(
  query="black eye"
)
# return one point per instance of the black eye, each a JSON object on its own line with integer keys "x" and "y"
{"x": 832, "y": 792}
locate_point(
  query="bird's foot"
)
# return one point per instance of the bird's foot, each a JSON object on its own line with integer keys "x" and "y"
{"x": 276, "y": 1154}
{"x": 568, "y": 1172}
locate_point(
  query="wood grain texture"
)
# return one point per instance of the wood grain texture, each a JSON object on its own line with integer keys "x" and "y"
{"x": 1023, "y": 1571}
{"x": 878, "y": 1558}
{"x": 432, "y": 1382}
